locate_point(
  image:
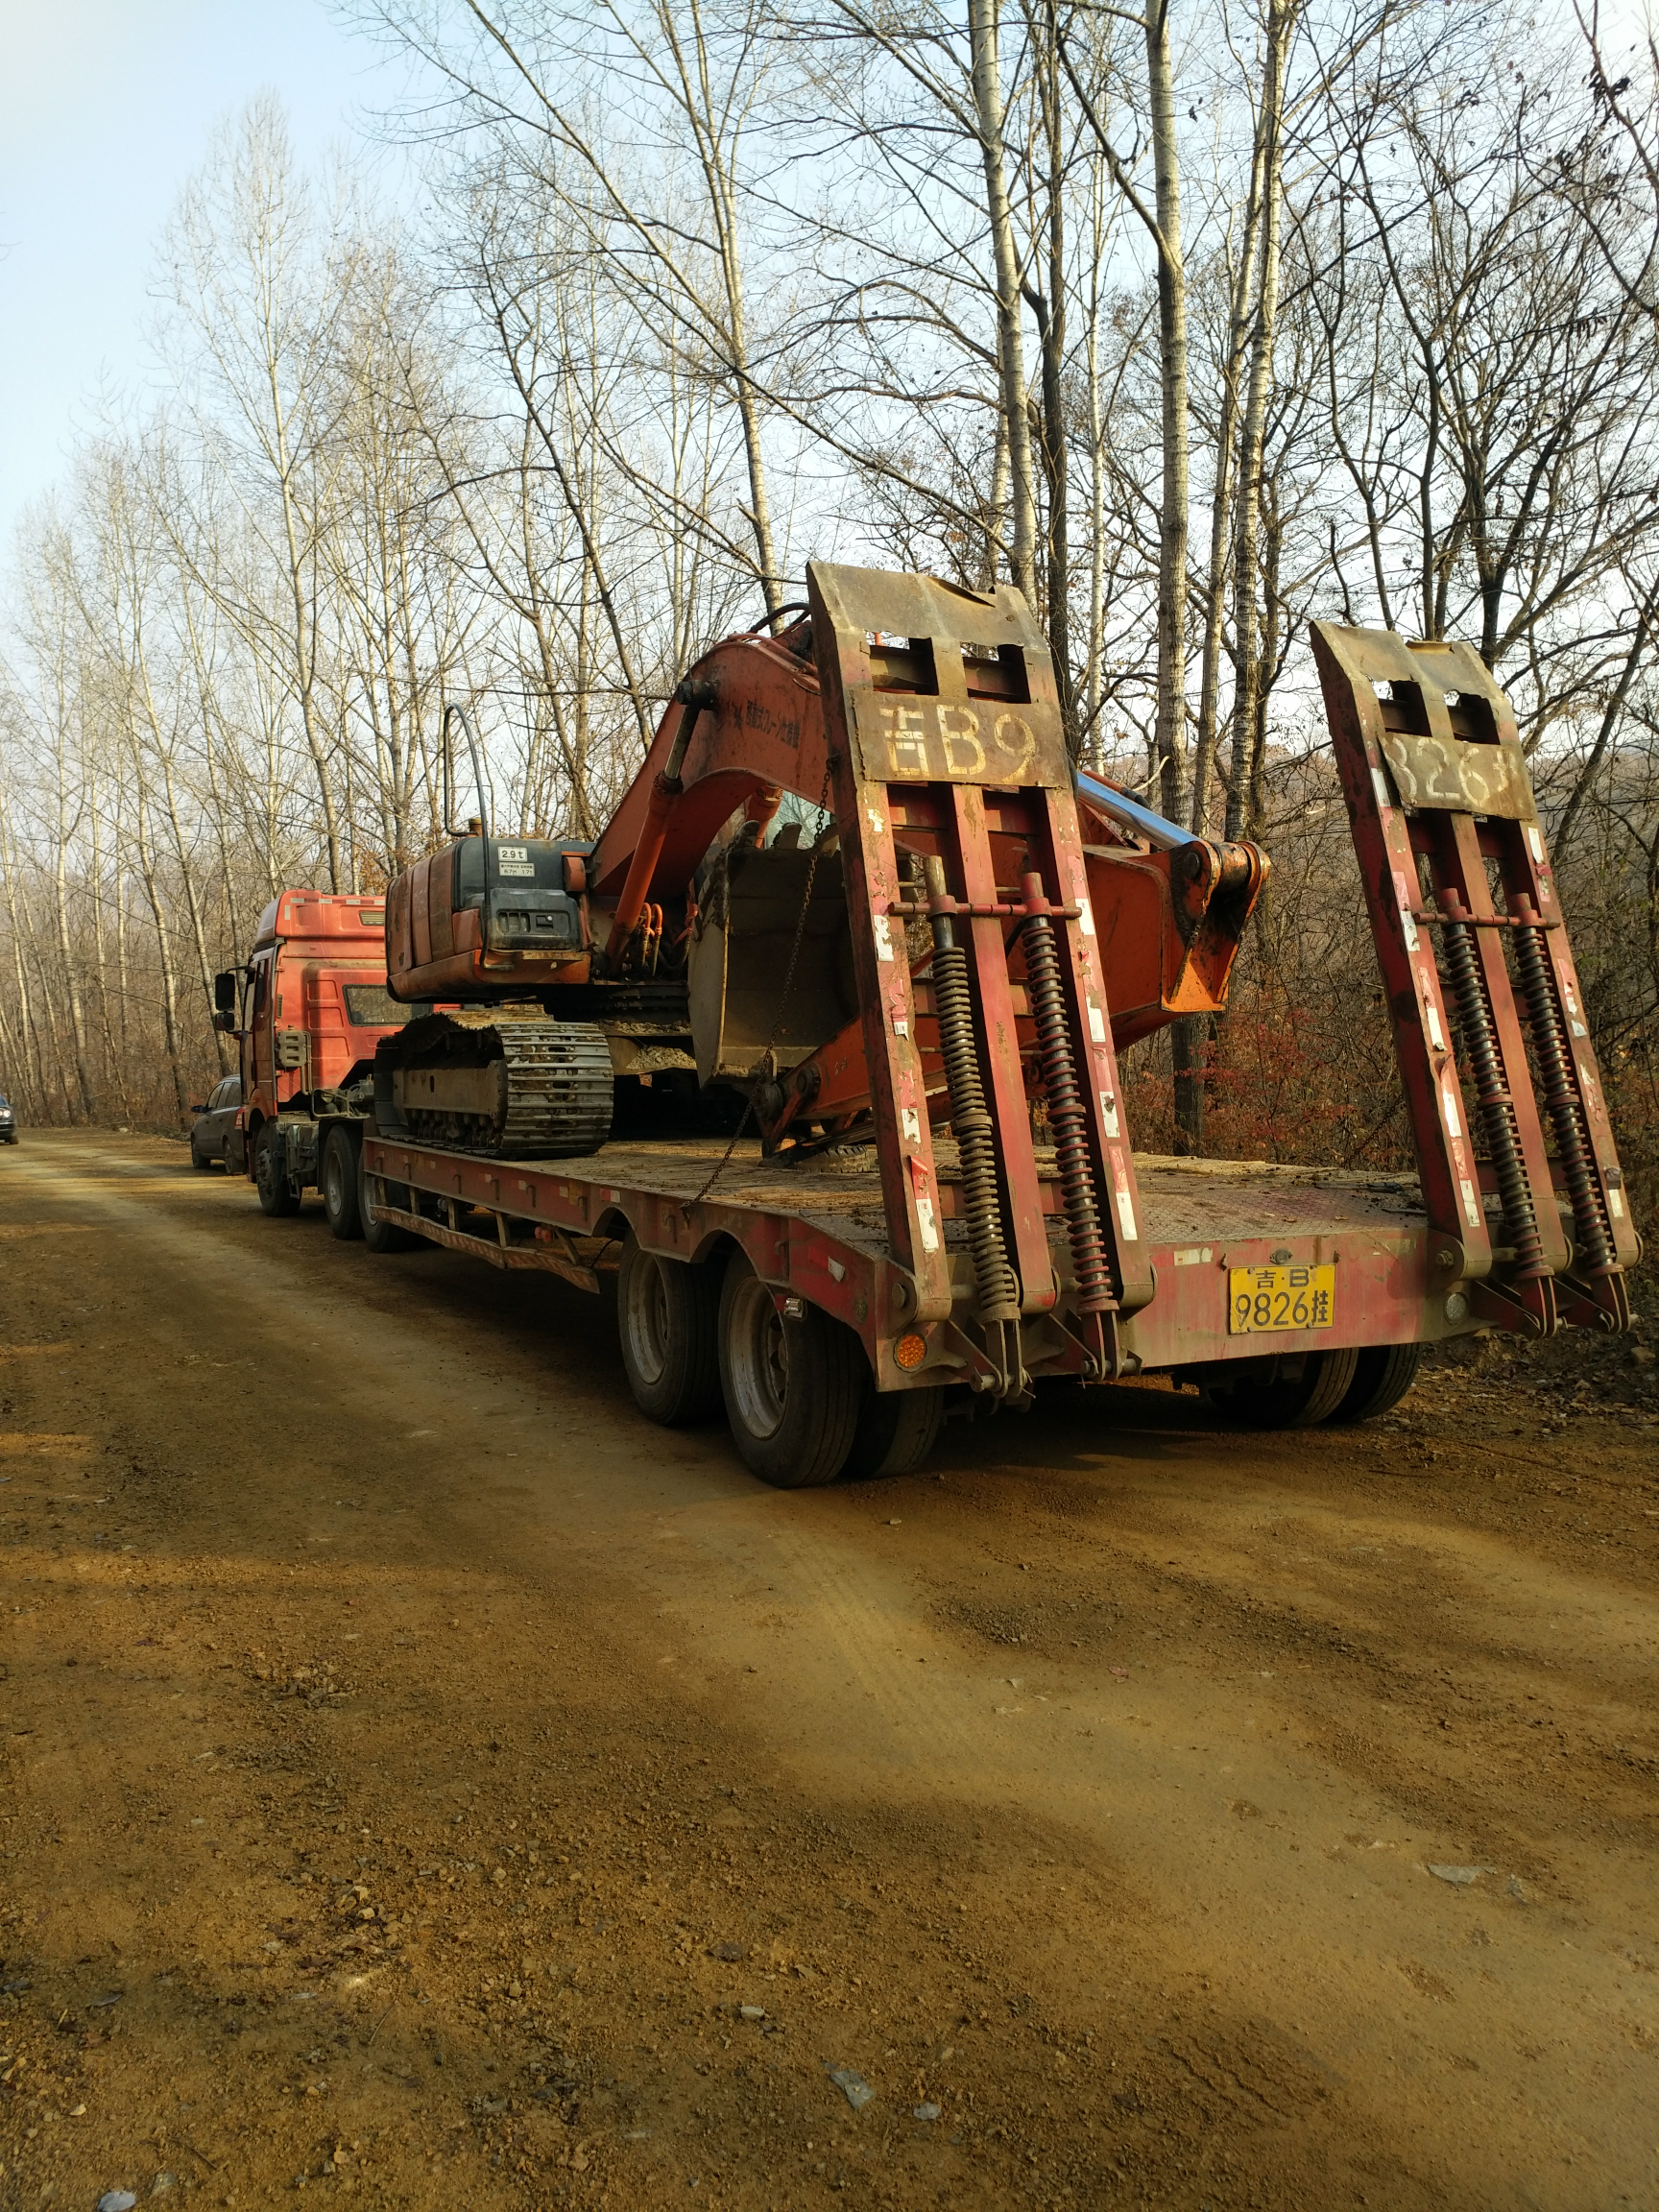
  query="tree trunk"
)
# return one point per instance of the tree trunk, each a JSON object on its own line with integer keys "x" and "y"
{"x": 1010, "y": 352}
{"x": 1216, "y": 580}
{"x": 1050, "y": 313}
{"x": 1094, "y": 690}
{"x": 115, "y": 1062}
{"x": 1172, "y": 519}
{"x": 25, "y": 1004}
{"x": 1187, "y": 1035}
{"x": 1244, "y": 803}
{"x": 163, "y": 950}
{"x": 304, "y": 638}
{"x": 84, "y": 1097}
{"x": 995, "y": 504}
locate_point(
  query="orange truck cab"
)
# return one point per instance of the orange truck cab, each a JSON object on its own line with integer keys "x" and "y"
{"x": 308, "y": 1009}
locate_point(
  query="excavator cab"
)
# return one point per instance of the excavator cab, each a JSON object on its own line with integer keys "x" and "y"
{"x": 487, "y": 916}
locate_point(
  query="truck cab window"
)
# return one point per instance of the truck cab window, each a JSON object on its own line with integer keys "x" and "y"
{"x": 372, "y": 1006}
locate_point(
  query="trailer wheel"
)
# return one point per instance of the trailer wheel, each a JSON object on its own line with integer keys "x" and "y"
{"x": 340, "y": 1205}
{"x": 1261, "y": 1398}
{"x": 1384, "y": 1373}
{"x": 794, "y": 1388}
{"x": 271, "y": 1172}
{"x": 380, "y": 1235}
{"x": 668, "y": 1319}
{"x": 897, "y": 1431}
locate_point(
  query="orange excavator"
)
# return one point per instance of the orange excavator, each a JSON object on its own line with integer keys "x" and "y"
{"x": 705, "y": 945}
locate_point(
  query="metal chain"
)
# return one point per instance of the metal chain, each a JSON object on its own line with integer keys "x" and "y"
{"x": 722, "y": 1162}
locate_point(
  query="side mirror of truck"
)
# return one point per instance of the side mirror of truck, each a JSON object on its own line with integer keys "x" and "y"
{"x": 226, "y": 1020}
{"x": 224, "y": 991}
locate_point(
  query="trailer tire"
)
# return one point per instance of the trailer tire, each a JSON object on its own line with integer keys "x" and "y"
{"x": 379, "y": 1236}
{"x": 1384, "y": 1373}
{"x": 897, "y": 1431}
{"x": 340, "y": 1183}
{"x": 668, "y": 1323}
{"x": 271, "y": 1173}
{"x": 1259, "y": 1398}
{"x": 794, "y": 1388}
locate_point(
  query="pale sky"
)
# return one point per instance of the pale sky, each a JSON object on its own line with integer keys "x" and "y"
{"x": 106, "y": 107}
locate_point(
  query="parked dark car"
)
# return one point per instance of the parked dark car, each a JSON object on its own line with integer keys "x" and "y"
{"x": 212, "y": 1124}
{"x": 8, "y": 1121}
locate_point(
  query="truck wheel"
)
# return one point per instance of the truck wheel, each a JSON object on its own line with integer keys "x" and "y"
{"x": 340, "y": 1182}
{"x": 897, "y": 1431}
{"x": 1384, "y": 1375}
{"x": 271, "y": 1172}
{"x": 668, "y": 1319}
{"x": 1261, "y": 1399}
{"x": 381, "y": 1235}
{"x": 793, "y": 1388}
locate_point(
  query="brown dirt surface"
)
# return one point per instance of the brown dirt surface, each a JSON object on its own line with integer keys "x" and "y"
{"x": 428, "y": 1783}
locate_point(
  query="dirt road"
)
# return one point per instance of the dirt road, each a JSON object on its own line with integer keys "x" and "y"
{"x": 427, "y": 1780}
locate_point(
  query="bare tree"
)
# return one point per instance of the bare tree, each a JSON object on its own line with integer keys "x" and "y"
{"x": 261, "y": 287}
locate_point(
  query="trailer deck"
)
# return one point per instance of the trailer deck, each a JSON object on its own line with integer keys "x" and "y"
{"x": 818, "y": 1230}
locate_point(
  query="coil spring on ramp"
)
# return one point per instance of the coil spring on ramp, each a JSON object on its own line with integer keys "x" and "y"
{"x": 1590, "y": 1221}
{"x": 1497, "y": 1107}
{"x": 970, "y": 1117}
{"x": 1090, "y": 1268}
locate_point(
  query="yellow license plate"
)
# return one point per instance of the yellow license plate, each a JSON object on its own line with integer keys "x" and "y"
{"x": 1266, "y": 1298}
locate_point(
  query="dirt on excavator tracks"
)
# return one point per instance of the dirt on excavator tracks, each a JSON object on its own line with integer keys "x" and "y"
{"x": 427, "y": 1782}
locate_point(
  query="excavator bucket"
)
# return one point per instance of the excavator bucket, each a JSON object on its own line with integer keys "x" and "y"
{"x": 749, "y": 935}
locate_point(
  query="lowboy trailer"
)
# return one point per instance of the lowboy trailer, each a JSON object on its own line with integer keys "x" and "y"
{"x": 1338, "y": 1273}
{"x": 920, "y": 1016}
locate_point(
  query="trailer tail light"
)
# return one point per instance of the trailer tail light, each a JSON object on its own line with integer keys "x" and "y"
{"x": 910, "y": 1351}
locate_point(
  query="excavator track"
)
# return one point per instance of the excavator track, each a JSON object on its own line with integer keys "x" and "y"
{"x": 504, "y": 1086}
